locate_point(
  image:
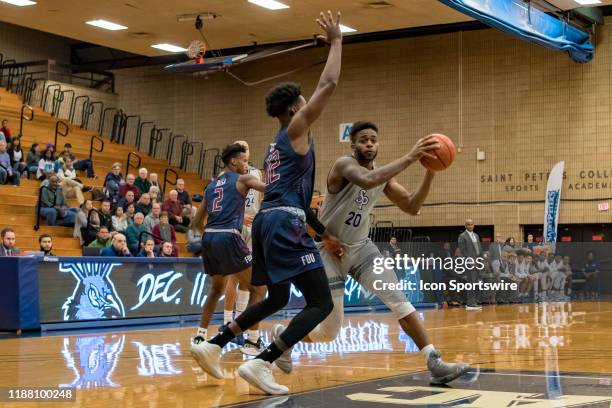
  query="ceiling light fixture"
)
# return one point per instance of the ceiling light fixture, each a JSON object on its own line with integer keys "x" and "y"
{"x": 169, "y": 47}
{"x": 269, "y": 4}
{"x": 588, "y": 2}
{"x": 107, "y": 25}
{"x": 19, "y": 3}
{"x": 346, "y": 29}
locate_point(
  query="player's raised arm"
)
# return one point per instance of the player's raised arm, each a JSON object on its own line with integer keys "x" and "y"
{"x": 249, "y": 181}
{"x": 409, "y": 202}
{"x": 300, "y": 123}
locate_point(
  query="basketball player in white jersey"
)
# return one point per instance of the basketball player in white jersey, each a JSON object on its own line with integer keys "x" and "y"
{"x": 353, "y": 186}
{"x": 239, "y": 298}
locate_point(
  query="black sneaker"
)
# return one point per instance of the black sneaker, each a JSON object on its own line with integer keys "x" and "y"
{"x": 252, "y": 349}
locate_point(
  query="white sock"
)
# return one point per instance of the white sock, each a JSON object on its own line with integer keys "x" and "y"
{"x": 242, "y": 300}
{"x": 202, "y": 332}
{"x": 427, "y": 350}
{"x": 252, "y": 335}
{"x": 228, "y": 316}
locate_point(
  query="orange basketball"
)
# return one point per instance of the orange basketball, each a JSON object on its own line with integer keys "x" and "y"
{"x": 444, "y": 155}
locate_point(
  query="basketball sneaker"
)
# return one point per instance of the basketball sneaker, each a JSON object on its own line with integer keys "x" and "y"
{"x": 207, "y": 355}
{"x": 284, "y": 361}
{"x": 258, "y": 373}
{"x": 252, "y": 349}
{"x": 239, "y": 339}
{"x": 442, "y": 372}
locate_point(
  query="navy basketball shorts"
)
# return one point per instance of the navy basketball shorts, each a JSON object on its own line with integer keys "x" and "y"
{"x": 224, "y": 253}
{"x": 282, "y": 248}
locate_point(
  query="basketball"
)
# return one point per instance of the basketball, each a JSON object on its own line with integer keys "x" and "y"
{"x": 445, "y": 154}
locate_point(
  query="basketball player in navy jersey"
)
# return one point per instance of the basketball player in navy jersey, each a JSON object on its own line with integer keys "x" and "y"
{"x": 283, "y": 252}
{"x": 224, "y": 252}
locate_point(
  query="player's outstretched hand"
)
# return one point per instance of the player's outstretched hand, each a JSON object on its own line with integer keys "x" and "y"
{"x": 332, "y": 245}
{"x": 422, "y": 146}
{"x": 330, "y": 26}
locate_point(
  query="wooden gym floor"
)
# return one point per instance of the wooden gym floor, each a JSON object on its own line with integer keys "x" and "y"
{"x": 547, "y": 355}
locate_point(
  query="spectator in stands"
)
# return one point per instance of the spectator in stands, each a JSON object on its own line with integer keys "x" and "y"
{"x": 156, "y": 196}
{"x": 530, "y": 244}
{"x": 522, "y": 273}
{"x": 496, "y": 249}
{"x": 54, "y": 206}
{"x": 120, "y": 220}
{"x": 126, "y": 200}
{"x": 591, "y": 273}
{"x": 155, "y": 182}
{"x": 133, "y": 231}
{"x": 183, "y": 196}
{"x": 392, "y": 248}
{"x": 534, "y": 276}
{"x": 46, "y": 165}
{"x": 106, "y": 215}
{"x": 17, "y": 157}
{"x": 173, "y": 207}
{"x": 6, "y": 131}
{"x": 167, "y": 249}
{"x": 501, "y": 270}
{"x": 113, "y": 181}
{"x": 194, "y": 241}
{"x": 129, "y": 186}
{"x": 486, "y": 275}
{"x": 103, "y": 239}
{"x": 142, "y": 181}
{"x": 164, "y": 231}
{"x": 152, "y": 219}
{"x": 69, "y": 181}
{"x": 7, "y": 174}
{"x": 118, "y": 247}
{"x": 8, "y": 243}
{"x": 144, "y": 204}
{"x": 510, "y": 245}
{"x": 540, "y": 286}
{"x": 469, "y": 243}
{"x": 84, "y": 164}
{"x": 148, "y": 249}
{"x": 46, "y": 244}
{"x": 188, "y": 213}
{"x": 83, "y": 230}
{"x": 130, "y": 211}
{"x": 567, "y": 270}
{"x": 33, "y": 159}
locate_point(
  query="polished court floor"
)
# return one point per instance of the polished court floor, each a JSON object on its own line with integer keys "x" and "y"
{"x": 547, "y": 355}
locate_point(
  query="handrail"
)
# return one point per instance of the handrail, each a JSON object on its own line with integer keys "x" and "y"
{"x": 125, "y": 126}
{"x": 213, "y": 149}
{"x": 86, "y": 113}
{"x": 200, "y": 162}
{"x": 58, "y": 99}
{"x": 91, "y": 145}
{"x": 102, "y": 118}
{"x": 23, "y": 116}
{"x": 156, "y": 136}
{"x": 74, "y": 103}
{"x": 32, "y": 87}
{"x": 118, "y": 119}
{"x": 46, "y": 92}
{"x": 166, "y": 181}
{"x": 129, "y": 162}
{"x": 58, "y": 133}
{"x": 40, "y": 190}
{"x": 170, "y": 151}
{"x": 187, "y": 150}
{"x": 139, "y": 134}
{"x": 11, "y": 64}
{"x": 217, "y": 165}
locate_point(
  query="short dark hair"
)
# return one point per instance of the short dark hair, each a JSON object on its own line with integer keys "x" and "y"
{"x": 67, "y": 145}
{"x": 359, "y": 126}
{"x": 43, "y": 236}
{"x": 231, "y": 151}
{"x": 281, "y": 98}
{"x": 5, "y": 231}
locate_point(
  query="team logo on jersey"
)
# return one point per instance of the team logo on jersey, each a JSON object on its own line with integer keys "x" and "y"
{"x": 221, "y": 182}
{"x": 362, "y": 199}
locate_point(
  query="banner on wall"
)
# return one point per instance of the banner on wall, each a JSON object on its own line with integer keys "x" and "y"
{"x": 345, "y": 132}
{"x": 553, "y": 198}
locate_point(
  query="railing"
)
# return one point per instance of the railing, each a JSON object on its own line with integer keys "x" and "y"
{"x": 166, "y": 181}
{"x": 23, "y": 117}
{"x": 129, "y": 162}
{"x": 203, "y": 158}
{"x": 40, "y": 190}
{"x": 118, "y": 120}
{"x": 103, "y": 120}
{"x": 187, "y": 150}
{"x": 88, "y": 109}
{"x": 73, "y": 106}
{"x": 97, "y": 149}
{"x": 123, "y": 130}
{"x": 43, "y": 103}
{"x": 60, "y": 133}
{"x": 170, "y": 151}
{"x": 139, "y": 133}
{"x": 156, "y": 137}
{"x": 58, "y": 100}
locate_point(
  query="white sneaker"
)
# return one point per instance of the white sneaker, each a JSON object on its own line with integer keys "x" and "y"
{"x": 259, "y": 374}
{"x": 284, "y": 361}
{"x": 207, "y": 355}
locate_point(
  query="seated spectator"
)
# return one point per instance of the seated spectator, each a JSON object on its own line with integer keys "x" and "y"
{"x": 46, "y": 165}
{"x": 129, "y": 186}
{"x": 132, "y": 233}
{"x": 70, "y": 183}
{"x": 156, "y": 196}
{"x": 166, "y": 250}
{"x": 509, "y": 245}
{"x": 183, "y": 196}
{"x": 591, "y": 272}
{"x": 152, "y": 219}
{"x": 148, "y": 249}
{"x": 530, "y": 244}
{"x": 53, "y": 205}
{"x": 188, "y": 213}
{"x": 33, "y": 159}
{"x": 164, "y": 231}
{"x": 106, "y": 215}
{"x": 103, "y": 239}
{"x": 155, "y": 182}
{"x": 84, "y": 164}
{"x": 118, "y": 247}
{"x": 130, "y": 211}
{"x": 112, "y": 182}
{"x": 194, "y": 241}
{"x": 174, "y": 209}
{"x": 522, "y": 275}
{"x": 144, "y": 204}
{"x": 120, "y": 220}
{"x": 6, "y": 131}
{"x": 8, "y": 243}
{"x": 486, "y": 274}
{"x": 85, "y": 226}
{"x": 7, "y": 174}
{"x": 18, "y": 158}
{"x": 128, "y": 199}
{"x": 567, "y": 270}
{"x": 46, "y": 243}
{"x": 142, "y": 182}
